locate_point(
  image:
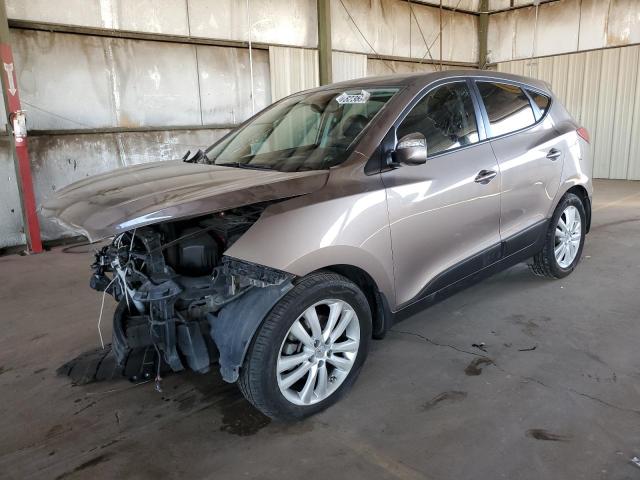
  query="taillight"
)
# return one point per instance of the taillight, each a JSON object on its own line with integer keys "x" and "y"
{"x": 584, "y": 134}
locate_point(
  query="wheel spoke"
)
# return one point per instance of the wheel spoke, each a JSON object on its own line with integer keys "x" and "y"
{"x": 348, "y": 346}
{"x": 323, "y": 381}
{"x": 569, "y": 216}
{"x": 290, "y": 361}
{"x": 307, "y": 390}
{"x": 340, "y": 363}
{"x": 344, "y": 322}
{"x": 561, "y": 225}
{"x": 335, "y": 309}
{"x": 296, "y": 375}
{"x": 312, "y": 317}
{"x": 558, "y": 250}
{"x": 298, "y": 331}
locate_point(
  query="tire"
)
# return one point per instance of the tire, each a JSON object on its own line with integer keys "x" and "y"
{"x": 545, "y": 263}
{"x": 261, "y": 381}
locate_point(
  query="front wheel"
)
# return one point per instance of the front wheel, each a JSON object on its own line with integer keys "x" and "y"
{"x": 564, "y": 240}
{"x": 310, "y": 348}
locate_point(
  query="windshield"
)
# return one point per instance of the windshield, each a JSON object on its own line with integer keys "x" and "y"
{"x": 305, "y": 132}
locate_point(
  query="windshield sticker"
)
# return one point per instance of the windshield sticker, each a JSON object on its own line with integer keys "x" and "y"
{"x": 348, "y": 98}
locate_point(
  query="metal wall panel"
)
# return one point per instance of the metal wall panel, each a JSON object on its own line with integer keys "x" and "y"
{"x": 64, "y": 80}
{"x": 154, "y": 16}
{"x": 563, "y": 27}
{"x": 292, "y": 70}
{"x": 633, "y": 169}
{"x": 606, "y": 113}
{"x": 280, "y": 22}
{"x": 11, "y": 232}
{"x": 377, "y": 67}
{"x": 347, "y": 66}
{"x": 387, "y": 27}
{"x": 591, "y": 94}
{"x": 154, "y": 83}
{"x": 625, "y": 91}
{"x": 225, "y": 83}
{"x": 133, "y": 83}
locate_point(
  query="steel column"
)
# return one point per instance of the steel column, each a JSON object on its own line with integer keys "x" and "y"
{"x": 11, "y": 97}
{"x": 324, "y": 41}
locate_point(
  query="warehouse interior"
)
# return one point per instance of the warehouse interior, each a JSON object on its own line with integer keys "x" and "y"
{"x": 516, "y": 377}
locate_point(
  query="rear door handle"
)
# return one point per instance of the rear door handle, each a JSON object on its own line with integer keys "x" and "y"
{"x": 554, "y": 154}
{"x": 485, "y": 176}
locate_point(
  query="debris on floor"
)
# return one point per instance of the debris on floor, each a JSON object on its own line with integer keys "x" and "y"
{"x": 529, "y": 349}
{"x": 636, "y": 461}
{"x": 480, "y": 346}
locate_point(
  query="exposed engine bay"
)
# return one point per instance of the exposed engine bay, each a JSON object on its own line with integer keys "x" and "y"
{"x": 176, "y": 290}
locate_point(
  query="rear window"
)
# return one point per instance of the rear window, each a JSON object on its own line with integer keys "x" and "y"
{"x": 541, "y": 101}
{"x": 507, "y": 106}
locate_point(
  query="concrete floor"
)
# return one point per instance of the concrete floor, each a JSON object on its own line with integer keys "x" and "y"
{"x": 425, "y": 405}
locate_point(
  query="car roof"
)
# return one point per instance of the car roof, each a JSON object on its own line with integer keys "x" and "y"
{"x": 423, "y": 79}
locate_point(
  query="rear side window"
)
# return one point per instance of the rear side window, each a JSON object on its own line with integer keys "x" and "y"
{"x": 541, "y": 101}
{"x": 507, "y": 106}
{"x": 445, "y": 116}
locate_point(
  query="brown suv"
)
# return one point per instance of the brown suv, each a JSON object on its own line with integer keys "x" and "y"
{"x": 317, "y": 224}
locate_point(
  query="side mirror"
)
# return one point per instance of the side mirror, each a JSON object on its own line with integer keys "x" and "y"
{"x": 411, "y": 150}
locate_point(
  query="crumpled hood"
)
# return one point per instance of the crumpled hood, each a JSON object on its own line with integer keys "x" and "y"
{"x": 131, "y": 197}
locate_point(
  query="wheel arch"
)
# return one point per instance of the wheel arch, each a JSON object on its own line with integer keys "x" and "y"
{"x": 581, "y": 192}
{"x": 381, "y": 315}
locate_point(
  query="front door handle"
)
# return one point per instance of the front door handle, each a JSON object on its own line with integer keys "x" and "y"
{"x": 485, "y": 176}
{"x": 554, "y": 154}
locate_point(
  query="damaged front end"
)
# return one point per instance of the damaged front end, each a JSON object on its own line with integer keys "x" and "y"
{"x": 179, "y": 294}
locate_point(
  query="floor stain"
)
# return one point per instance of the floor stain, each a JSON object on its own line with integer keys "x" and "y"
{"x": 541, "y": 434}
{"x": 83, "y": 466}
{"x": 475, "y": 367}
{"x": 4, "y": 370}
{"x": 56, "y": 430}
{"x": 240, "y": 418}
{"x": 450, "y": 396}
{"x": 40, "y": 370}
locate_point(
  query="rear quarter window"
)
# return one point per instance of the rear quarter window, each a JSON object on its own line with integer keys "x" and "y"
{"x": 507, "y": 106}
{"x": 541, "y": 101}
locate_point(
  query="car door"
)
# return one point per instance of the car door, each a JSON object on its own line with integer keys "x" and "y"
{"x": 529, "y": 152}
{"x": 444, "y": 214}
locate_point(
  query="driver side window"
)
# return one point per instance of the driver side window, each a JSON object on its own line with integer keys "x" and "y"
{"x": 445, "y": 116}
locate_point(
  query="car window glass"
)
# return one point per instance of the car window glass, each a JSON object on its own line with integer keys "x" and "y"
{"x": 542, "y": 101}
{"x": 507, "y": 106}
{"x": 445, "y": 117}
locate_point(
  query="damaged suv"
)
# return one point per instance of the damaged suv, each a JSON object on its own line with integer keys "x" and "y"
{"x": 281, "y": 250}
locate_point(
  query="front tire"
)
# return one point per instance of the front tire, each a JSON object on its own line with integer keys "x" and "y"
{"x": 564, "y": 240}
{"x": 310, "y": 348}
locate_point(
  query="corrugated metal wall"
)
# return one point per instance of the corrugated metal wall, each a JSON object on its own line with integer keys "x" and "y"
{"x": 601, "y": 89}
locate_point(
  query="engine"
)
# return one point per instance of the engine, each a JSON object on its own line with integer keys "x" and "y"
{"x": 169, "y": 278}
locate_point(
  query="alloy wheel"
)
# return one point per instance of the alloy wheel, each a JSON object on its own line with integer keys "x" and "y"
{"x": 568, "y": 236}
{"x": 318, "y": 352}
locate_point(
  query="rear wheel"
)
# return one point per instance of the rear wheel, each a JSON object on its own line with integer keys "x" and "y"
{"x": 310, "y": 348}
{"x": 564, "y": 240}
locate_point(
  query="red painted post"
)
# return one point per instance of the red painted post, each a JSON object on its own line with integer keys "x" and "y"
{"x": 15, "y": 117}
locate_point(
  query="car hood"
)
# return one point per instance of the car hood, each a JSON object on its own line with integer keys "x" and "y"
{"x": 126, "y": 198}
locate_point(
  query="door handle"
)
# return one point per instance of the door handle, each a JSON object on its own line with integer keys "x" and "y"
{"x": 554, "y": 154}
{"x": 485, "y": 176}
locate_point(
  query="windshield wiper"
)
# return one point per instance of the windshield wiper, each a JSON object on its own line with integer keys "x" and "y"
{"x": 245, "y": 165}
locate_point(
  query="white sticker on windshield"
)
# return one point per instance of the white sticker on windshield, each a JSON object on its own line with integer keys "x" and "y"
{"x": 347, "y": 98}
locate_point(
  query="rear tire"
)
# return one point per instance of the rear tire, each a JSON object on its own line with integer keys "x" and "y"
{"x": 280, "y": 350}
{"x": 564, "y": 240}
